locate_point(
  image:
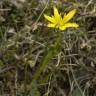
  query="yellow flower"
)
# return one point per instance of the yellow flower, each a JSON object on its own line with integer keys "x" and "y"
{"x": 57, "y": 21}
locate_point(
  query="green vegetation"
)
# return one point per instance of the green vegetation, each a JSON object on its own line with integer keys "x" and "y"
{"x": 39, "y": 61}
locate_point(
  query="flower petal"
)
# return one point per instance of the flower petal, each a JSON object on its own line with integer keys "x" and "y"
{"x": 51, "y": 25}
{"x": 68, "y": 25}
{"x": 62, "y": 27}
{"x": 69, "y": 16}
{"x": 56, "y": 14}
{"x": 51, "y": 19}
{"x": 71, "y": 25}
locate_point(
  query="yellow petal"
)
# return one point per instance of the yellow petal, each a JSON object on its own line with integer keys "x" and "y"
{"x": 49, "y": 18}
{"x": 71, "y": 25}
{"x": 51, "y": 25}
{"x": 69, "y": 16}
{"x": 62, "y": 27}
{"x": 56, "y": 14}
{"x": 68, "y": 25}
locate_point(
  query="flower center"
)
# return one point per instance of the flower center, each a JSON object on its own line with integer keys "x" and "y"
{"x": 59, "y": 23}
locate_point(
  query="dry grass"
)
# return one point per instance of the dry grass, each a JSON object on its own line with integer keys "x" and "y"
{"x": 34, "y": 61}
